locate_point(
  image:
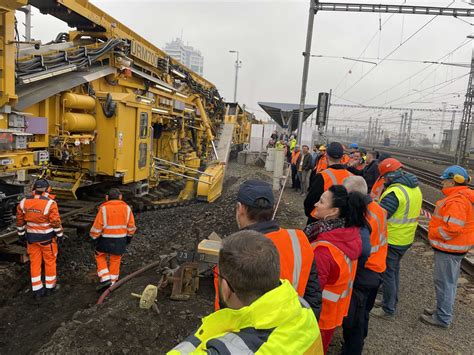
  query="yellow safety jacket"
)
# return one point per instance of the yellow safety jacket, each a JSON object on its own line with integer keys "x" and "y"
{"x": 279, "y": 322}
{"x": 292, "y": 144}
{"x": 402, "y": 225}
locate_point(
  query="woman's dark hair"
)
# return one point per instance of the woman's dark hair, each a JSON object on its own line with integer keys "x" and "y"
{"x": 352, "y": 205}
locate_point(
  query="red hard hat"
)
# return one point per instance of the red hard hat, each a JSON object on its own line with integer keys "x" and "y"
{"x": 389, "y": 165}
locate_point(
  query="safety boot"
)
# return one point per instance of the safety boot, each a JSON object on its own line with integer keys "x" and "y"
{"x": 50, "y": 291}
{"x": 104, "y": 285}
{"x": 39, "y": 294}
{"x": 432, "y": 321}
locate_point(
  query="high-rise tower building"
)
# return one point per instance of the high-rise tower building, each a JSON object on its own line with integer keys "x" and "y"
{"x": 187, "y": 55}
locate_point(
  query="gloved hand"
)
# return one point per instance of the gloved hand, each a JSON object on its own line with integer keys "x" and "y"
{"x": 129, "y": 239}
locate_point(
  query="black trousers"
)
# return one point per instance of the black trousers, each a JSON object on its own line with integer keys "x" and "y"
{"x": 295, "y": 182}
{"x": 355, "y": 325}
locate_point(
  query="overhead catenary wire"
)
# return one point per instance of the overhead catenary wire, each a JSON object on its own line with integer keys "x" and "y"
{"x": 392, "y": 51}
{"x": 458, "y": 47}
{"x": 366, "y": 47}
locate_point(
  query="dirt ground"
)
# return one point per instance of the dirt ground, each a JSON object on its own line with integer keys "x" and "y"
{"x": 70, "y": 322}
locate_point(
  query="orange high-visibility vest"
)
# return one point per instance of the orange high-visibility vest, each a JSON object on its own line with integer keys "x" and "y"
{"x": 345, "y": 159}
{"x": 377, "y": 218}
{"x": 337, "y": 297}
{"x": 296, "y": 256}
{"x": 38, "y": 217}
{"x": 296, "y": 259}
{"x": 322, "y": 163}
{"x": 114, "y": 220}
{"x": 294, "y": 157}
{"x": 378, "y": 188}
{"x": 334, "y": 177}
{"x": 451, "y": 227}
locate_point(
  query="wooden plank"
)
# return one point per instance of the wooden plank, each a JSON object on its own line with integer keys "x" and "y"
{"x": 15, "y": 253}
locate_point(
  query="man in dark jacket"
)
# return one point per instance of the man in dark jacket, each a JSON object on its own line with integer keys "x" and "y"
{"x": 334, "y": 153}
{"x": 304, "y": 169}
{"x": 370, "y": 173}
{"x": 254, "y": 211}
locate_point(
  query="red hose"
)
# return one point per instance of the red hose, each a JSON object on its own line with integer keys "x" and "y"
{"x": 128, "y": 278}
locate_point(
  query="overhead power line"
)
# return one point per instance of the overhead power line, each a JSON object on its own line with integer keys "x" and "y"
{"x": 393, "y": 51}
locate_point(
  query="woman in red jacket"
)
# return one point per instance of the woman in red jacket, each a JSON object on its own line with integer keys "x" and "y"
{"x": 336, "y": 241}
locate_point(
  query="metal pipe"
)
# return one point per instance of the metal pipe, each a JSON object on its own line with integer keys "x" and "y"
{"x": 181, "y": 166}
{"x": 215, "y": 150}
{"x": 182, "y": 175}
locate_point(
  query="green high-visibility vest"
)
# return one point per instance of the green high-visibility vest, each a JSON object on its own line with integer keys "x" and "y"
{"x": 402, "y": 225}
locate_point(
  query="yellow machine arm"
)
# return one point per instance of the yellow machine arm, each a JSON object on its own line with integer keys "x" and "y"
{"x": 101, "y": 104}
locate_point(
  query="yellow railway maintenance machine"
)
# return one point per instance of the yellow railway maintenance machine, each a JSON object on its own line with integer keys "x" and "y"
{"x": 102, "y": 105}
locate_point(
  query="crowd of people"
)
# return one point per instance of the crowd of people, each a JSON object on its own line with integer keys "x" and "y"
{"x": 286, "y": 291}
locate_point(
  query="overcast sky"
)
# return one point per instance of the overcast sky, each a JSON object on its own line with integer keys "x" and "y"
{"x": 270, "y": 36}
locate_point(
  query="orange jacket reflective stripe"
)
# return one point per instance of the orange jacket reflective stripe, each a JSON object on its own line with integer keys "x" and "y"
{"x": 451, "y": 227}
{"x": 114, "y": 220}
{"x": 37, "y": 216}
{"x": 378, "y": 188}
{"x": 334, "y": 177}
{"x": 337, "y": 297}
{"x": 296, "y": 256}
{"x": 294, "y": 157}
{"x": 296, "y": 259}
{"x": 377, "y": 218}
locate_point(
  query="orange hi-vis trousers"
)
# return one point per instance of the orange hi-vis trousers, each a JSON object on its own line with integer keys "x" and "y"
{"x": 43, "y": 252}
{"x": 105, "y": 272}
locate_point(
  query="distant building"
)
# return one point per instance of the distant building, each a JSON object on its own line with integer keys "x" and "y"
{"x": 450, "y": 140}
{"x": 187, "y": 55}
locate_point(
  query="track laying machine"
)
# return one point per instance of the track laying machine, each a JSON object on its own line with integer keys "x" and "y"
{"x": 102, "y": 105}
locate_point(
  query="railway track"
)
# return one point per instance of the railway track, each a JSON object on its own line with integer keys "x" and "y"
{"x": 467, "y": 263}
{"x": 77, "y": 216}
{"x": 425, "y": 176}
{"x": 416, "y": 154}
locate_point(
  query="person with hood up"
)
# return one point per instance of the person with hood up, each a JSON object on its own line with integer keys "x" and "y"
{"x": 402, "y": 200}
{"x": 337, "y": 245}
{"x": 451, "y": 234}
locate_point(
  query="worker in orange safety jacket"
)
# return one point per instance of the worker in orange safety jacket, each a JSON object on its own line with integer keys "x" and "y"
{"x": 451, "y": 234}
{"x": 39, "y": 224}
{"x": 335, "y": 174}
{"x": 370, "y": 268}
{"x": 254, "y": 211}
{"x": 111, "y": 232}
